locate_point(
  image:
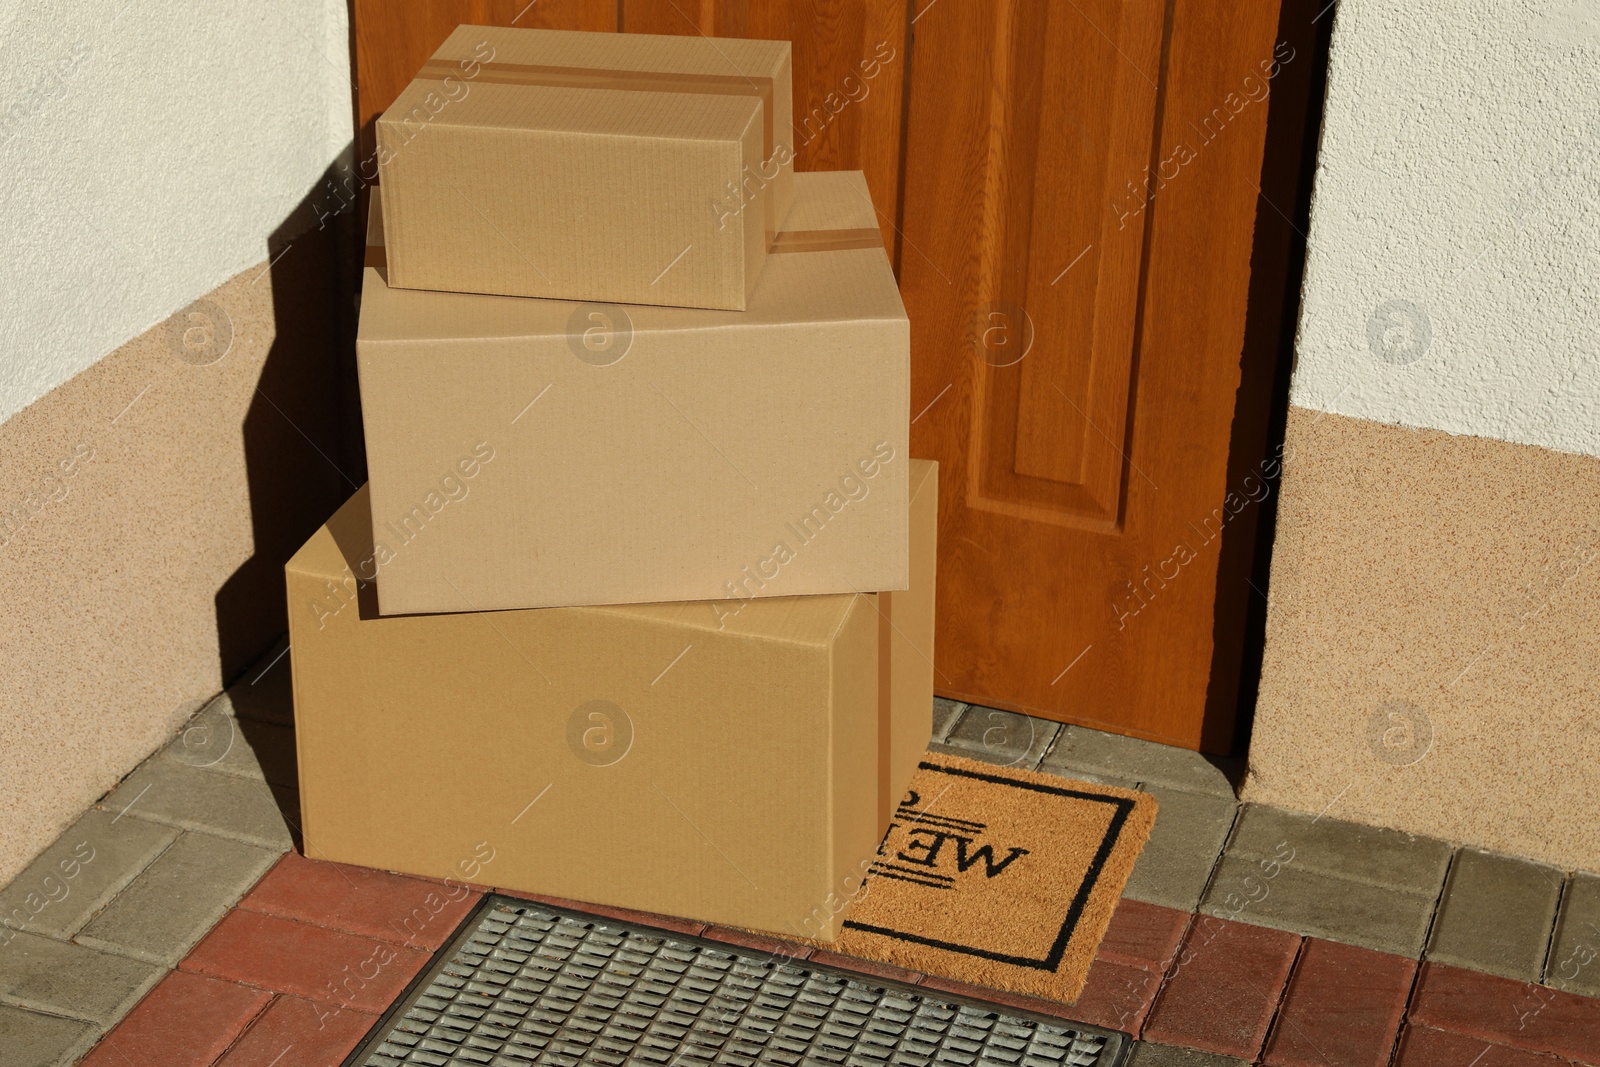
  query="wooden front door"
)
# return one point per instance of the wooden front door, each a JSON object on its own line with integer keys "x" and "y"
{"x": 1068, "y": 190}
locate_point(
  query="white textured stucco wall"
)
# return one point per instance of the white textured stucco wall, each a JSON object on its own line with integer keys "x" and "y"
{"x": 1453, "y": 280}
{"x": 147, "y": 150}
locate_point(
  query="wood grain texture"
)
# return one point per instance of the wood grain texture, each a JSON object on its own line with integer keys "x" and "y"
{"x": 1068, "y": 192}
{"x": 393, "y": 41}
{"x": 849, "y": 65}
{"x": 1085, "y": 482}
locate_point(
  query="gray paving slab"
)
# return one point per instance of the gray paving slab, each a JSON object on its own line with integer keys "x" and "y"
{"x": 1496, "y": 915}
{"x": 1095, "y": 752}
{"x": 1097, "y": 779}
{"x": 945, "y": 714}
{"x": 1184, "y": 844}
{"x": 85, "y": 867}
{"x": 30, "y": 1039}
{"x": 1148, "y": 1054}
{"x": 199, "y": 798}
{"x": 1302, "y": 900}
{"x": 1002, "y": 737}
{"x": 165, "y": 910}
{"x": 1346, "y": 849}
{"x": 1574, "y": 960}
{"x": 61, "y": 978}
{"x": 215, "y": 740}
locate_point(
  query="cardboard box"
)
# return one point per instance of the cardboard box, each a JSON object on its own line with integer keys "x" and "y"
{"x": 589, "y": 166}
{"x": 734, "y": 767}
{"x": 542, "y": 453}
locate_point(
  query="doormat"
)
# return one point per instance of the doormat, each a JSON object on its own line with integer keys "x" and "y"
{"x": 526, "y": 983}
{"x": 998, "y": 877}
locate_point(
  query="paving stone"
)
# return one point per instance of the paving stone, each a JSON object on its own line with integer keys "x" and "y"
{"x": 75, "y": 876}
{"x": 1496, "y": 915}
{"x": 186, "y": 1021}
{"x": 1223, "y": 989}
{"x": 1080, "y": 749}
{"x": 265, "y": 692}
{"x": 390, "y": 907}
{"x": 1002, "y": 737}
{"x": 1144, "y": 935}
{"x": 1140, "y": 943}
{"x": 178, "y": 898}
{"x": 1097, "y": 779}
{"x": 1148, "y": 1054}
{"x": 216, "y": 740}
{"x": 1346, "y": 849}
{"x": 294, "y": 1032}
{"x": 1342, "y": 1008}
{"x": 1574, "y": 961}
{"x": 28, "y": 1039}
{"x": 1306, "y": 901}
{"x": 61, "y": 978}
{"x": 1530, "y": 1017}
{"x": 195, "y": 798}
{"x": 945, "y": 714}
{"x": 1116, "y": 995}
{"x": 1423, "y": 1046}
{"x": 315, "y": 962}
{"x": 1184, "y": 844}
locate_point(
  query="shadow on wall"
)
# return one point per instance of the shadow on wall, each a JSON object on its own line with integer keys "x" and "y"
{"x": 1277, "y": 262}
{"x": 302, "y": 439}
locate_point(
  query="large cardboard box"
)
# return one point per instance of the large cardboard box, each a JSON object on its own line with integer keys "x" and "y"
{"x": 626, "y": 454}
{"x": 734, "y": 766}
{"x": 589, "y": 166}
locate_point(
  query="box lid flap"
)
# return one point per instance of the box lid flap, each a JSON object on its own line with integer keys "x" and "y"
{"x": 814, "y": 283}
{"x": 343, "y": 548}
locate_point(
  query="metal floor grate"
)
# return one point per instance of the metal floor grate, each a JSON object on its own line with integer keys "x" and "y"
{"x": 525, "y": 984}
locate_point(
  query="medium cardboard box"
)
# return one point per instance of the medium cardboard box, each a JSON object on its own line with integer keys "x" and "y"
{"x": 589, "y": 166}
{"x": 733, "y": 767}
{"x": 622, "y": 454}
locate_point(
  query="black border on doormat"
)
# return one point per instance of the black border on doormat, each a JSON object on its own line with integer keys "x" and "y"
{"x": 1119, "y": 1043}
{"x": 1080, "y": 900}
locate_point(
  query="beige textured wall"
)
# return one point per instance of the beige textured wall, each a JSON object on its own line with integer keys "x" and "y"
{"x": 149, "y": 504}
{"x": 1433, "y": 638}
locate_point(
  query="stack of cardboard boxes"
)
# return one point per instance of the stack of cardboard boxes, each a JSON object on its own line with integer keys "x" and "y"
{"x": 637, "y": 608}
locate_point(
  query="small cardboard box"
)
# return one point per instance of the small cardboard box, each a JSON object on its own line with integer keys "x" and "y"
{"x": 729, "y": 766}
{"x": 589, "y": 166}
{"x": 624, "y": 454}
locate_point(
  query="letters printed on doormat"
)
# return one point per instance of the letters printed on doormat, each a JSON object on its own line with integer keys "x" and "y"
{"x": 999, "y": 877}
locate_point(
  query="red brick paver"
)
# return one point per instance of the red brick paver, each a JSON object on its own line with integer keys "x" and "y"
{"x": 390, "y": 907}
{"x": 1116, "y": 995}
{"x": 185, "y": 1021}
{"x": 293, "y": 1032}
{"x": 1520, "y": 1014}
{"x": 1143, "y": 935}
{"x": 1140, "y": 945}
{"x": 1422, "y": 1046}
{"x": 1224, "y": 988}
{"x": 309, "y": 961}
{"x": 1342, "y": 1009}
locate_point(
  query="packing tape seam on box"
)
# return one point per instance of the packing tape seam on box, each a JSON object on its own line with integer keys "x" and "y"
{"x": 643, "y": 81}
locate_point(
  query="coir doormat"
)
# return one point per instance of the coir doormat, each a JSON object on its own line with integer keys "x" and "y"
{"x": 998, "y": 877}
